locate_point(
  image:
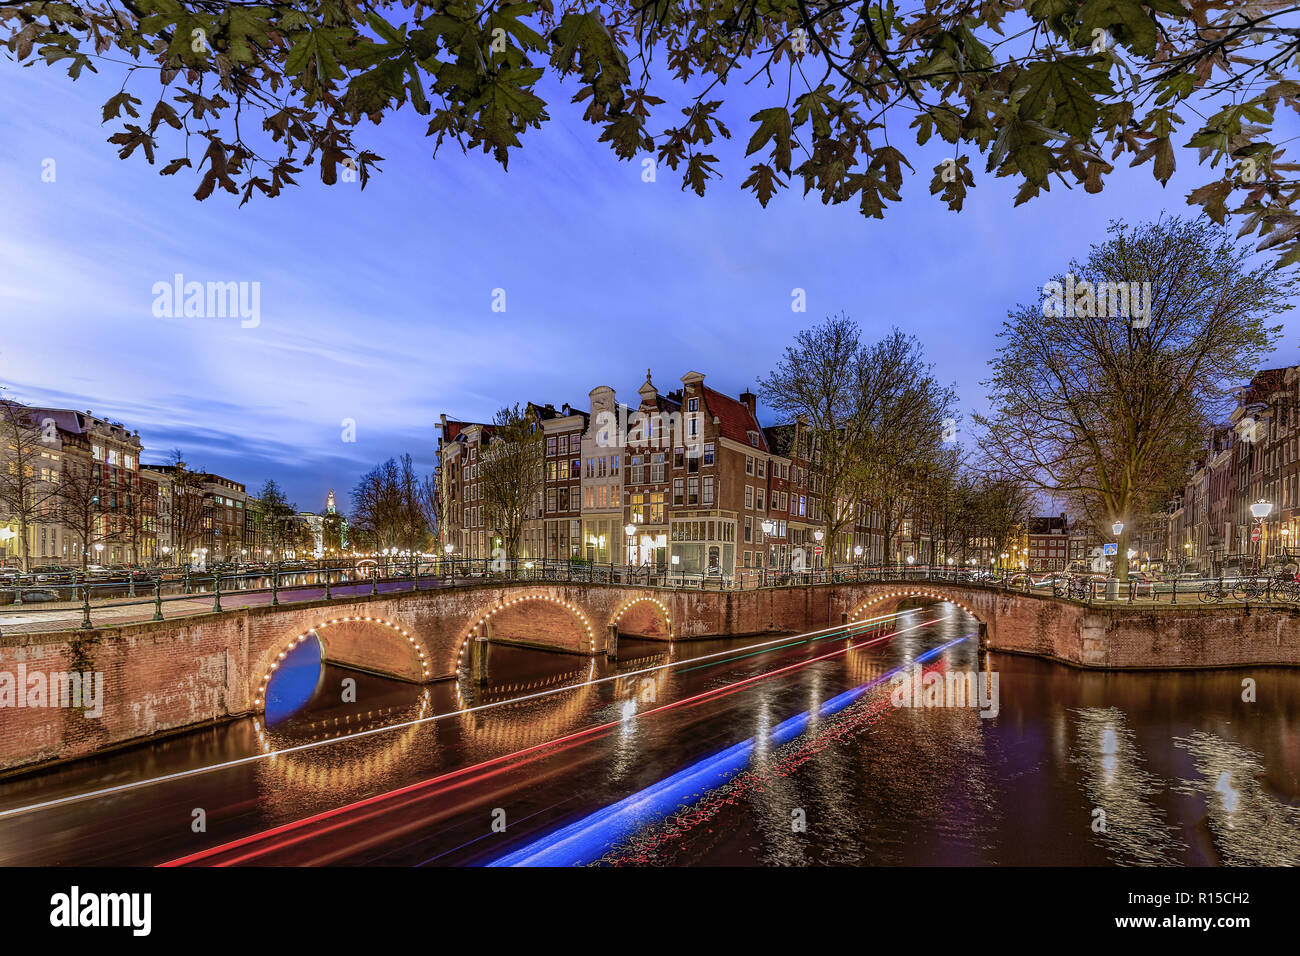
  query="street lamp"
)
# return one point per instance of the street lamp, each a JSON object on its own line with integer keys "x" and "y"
{"x": 1261, "y": 510}
{"x": 1118, "y": 528}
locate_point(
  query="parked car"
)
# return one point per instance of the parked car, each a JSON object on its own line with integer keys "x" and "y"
{"x": 54, "y": 574}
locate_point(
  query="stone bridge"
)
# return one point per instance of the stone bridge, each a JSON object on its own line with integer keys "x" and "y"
{"x": 190, "y": 671}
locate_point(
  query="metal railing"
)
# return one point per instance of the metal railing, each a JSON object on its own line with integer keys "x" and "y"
{"x": 343, "y": 580}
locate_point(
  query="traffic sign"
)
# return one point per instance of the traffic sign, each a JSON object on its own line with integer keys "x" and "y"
{"x": 817, "y": 550}
{"x": 1110, "y": 549}
{"x": 1254, "y": 534}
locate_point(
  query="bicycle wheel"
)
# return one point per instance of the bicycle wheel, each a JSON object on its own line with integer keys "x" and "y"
{"x": 1246, "y": 591}
{"x": 1210, "y": 595}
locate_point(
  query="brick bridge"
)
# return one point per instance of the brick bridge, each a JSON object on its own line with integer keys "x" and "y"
{"x": 190, "y": 671}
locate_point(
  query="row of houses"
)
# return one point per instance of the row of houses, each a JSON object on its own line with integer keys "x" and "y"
{"x": 1239, "y": 506}
{"x": 135, "y": 513}
{"x": 700, "y": 483}
{"x": 1251, "y": 461}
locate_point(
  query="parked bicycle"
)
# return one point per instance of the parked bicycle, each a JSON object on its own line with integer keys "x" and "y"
{"x": 1076, "y": 589}
{"x": 1213, "y": 592}
{"x": 1251, "y": 589}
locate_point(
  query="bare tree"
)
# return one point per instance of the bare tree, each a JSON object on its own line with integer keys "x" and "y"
{"x": 387, "y": 506}
{"x": 136, "y": 515}
{"x": 85, "y": 509}
{"x": 274, "y": 517}
{"x": 189, "y": 510}
{"x": 511, "y": 474}
{"x": 376, "y": 505}
{"x": 28, "y": 482}
{"x": 1104, "y": 411}
{"x": 876, "y": 414}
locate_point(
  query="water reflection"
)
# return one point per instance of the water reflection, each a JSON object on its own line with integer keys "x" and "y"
{"x": 1186, "y": 772}
{"x": 295, "y": 682}
{"x": 1249, "y": 826}
{"x": 1113, "y": 777}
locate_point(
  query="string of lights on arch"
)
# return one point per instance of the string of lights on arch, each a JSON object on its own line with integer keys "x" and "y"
{"x": 260, "y": 697}
{"x": 506, "y": 605}
{"x": 854, "y": 618}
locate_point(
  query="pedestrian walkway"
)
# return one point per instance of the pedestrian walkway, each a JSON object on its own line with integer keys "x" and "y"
{"x": 67, "y": 616}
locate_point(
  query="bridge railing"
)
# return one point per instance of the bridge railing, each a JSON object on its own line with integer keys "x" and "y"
{"x": 28, "y": 602}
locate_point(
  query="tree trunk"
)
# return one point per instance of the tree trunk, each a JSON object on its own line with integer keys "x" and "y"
{"x": 1121, "y": 556}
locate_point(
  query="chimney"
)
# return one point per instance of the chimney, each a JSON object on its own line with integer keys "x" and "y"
{"x": 750, "y": 400}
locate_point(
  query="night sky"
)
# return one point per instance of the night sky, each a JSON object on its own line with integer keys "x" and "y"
{"x": 376, "y": 306}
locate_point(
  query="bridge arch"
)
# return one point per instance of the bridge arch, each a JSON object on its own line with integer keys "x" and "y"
{"x": 644, "y": 617}
{"x": 350, "y": 641}
{"x": 894, "y": 596}
{"x": 564, "y": 625}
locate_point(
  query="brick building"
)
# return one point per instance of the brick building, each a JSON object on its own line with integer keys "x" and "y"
{"x": 81, "y": 450}
{"x": 1048, "y": 545}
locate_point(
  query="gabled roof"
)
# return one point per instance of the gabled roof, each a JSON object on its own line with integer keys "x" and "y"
{"x": 453, "y": 430}
{"x": 734, "y": 420}
{"x": 1046, "y": 524}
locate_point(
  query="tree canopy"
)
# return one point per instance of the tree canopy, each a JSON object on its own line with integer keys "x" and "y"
{"x": 251, "y": 95}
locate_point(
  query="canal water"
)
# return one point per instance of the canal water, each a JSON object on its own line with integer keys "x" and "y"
{"x": 789, "y": 753}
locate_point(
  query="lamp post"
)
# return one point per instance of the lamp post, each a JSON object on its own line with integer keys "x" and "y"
{"x": 1120, "y": 568}
{"x": 629, "y": 530}
{"x": 817, "y": 536}
{"x": 1261, "y": 510}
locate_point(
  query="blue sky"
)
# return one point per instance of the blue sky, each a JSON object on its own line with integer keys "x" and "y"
{"x": 376, "y": 306}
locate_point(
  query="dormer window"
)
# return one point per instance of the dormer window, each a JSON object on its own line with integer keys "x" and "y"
{"x": 753, "y": 439}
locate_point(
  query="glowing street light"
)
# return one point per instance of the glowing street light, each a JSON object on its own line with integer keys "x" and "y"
{"x": 1117, "y": 527}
